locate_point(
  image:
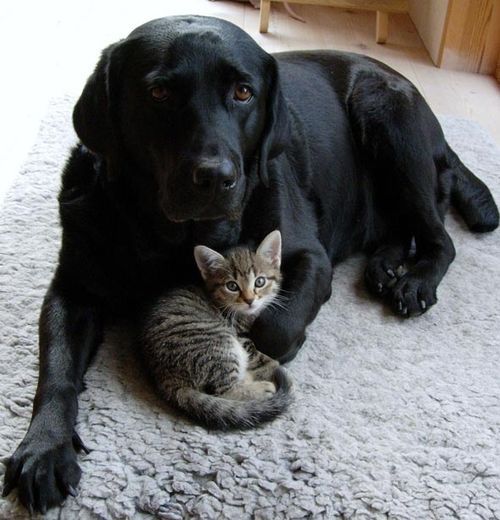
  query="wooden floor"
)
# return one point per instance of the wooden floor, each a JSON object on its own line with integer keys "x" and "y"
{"x": 50, "y": 47}
{"x": 447, "y": 92}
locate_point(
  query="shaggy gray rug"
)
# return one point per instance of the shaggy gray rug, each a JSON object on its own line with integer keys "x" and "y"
{"x": 393, "y": 419}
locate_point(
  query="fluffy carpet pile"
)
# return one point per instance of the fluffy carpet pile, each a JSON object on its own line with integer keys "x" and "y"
{"x": 393, "y": 419}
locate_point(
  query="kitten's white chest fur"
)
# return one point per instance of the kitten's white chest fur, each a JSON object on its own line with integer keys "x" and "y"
{"x": 242, "y": 355}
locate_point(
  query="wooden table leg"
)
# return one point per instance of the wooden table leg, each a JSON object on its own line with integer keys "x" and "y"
{"x": 382, "y": 27}
{"x": 265, "y": 8}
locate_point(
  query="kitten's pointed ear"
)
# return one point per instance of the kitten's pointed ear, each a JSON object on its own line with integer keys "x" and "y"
{"x": 270, "y": 248}
{"x": 207, "y": 260}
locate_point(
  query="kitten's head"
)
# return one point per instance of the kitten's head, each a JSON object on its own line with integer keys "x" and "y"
{"x": 242, "y": 281}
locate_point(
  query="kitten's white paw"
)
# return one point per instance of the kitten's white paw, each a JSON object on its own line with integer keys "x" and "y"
{"x": 264, "y": 389}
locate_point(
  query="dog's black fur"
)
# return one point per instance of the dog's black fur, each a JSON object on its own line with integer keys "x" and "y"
{"x": 336, "y": 150}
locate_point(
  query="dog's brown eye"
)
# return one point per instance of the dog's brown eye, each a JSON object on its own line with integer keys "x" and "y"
{"x": 160, "y": 93}
{"x": 242, "y": 93}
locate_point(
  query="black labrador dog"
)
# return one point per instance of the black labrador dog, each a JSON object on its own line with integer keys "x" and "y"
{"x": 192, "y": 134}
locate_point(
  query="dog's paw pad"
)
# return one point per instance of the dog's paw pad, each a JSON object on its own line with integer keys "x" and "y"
{"x": 412, "y": 296}
{"x": 380, "y": 276}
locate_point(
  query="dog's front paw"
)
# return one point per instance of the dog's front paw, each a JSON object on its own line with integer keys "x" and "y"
{"x": 381, "y": 275}
{"x": 413, "y": 295}
{"x": 44, "y": 471}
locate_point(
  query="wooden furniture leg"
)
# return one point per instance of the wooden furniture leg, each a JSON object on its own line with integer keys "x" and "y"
{"x": 265, "y": 8}
{"x": 382, "y": 27}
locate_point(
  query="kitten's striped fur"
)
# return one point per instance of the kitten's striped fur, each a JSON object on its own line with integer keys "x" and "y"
{"x": 195, "y": 346}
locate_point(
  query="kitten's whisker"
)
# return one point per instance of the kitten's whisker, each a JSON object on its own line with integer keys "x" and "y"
{"x": 281, "y": 300}
{"x": 230, "y": 314}
{"x": 278, "y": 304}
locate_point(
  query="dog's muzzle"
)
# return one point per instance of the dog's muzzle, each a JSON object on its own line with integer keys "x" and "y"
{"x": 210, "y": 189}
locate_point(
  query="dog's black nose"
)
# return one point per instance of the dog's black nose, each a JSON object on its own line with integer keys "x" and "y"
{"x": 211, "y": 173}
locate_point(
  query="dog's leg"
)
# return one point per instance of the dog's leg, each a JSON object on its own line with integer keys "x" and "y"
{"x": 401, "y": 139}
{"x": 44, "y": 466}
{"x": 279, "y": 331}
{"x": 415, "y": 291}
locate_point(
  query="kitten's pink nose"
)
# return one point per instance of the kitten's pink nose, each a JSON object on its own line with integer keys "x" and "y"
{"x": 249, "y": 301}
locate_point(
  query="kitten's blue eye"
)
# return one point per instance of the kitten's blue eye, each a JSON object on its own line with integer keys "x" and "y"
{"x": 232, "y": 286}
{"x": 260, "y": 281}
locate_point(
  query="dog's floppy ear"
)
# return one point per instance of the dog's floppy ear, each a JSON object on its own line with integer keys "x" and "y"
{"x": 276, "y": 133}
{"x": 92, "y": 117}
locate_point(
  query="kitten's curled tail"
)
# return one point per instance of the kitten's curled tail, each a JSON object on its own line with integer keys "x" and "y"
{"x": 221, "y": 413}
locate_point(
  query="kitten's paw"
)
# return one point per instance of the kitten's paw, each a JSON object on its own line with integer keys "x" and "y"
{"x": 252, "y": 390}
{"x": 264, "y": 389}
{"x": 265, "y": 371}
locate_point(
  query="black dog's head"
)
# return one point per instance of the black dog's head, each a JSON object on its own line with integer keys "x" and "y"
{"x": 192, "y": 102}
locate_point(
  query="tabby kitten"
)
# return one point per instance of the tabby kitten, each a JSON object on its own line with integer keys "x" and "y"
{"x": 195, "y": 346}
